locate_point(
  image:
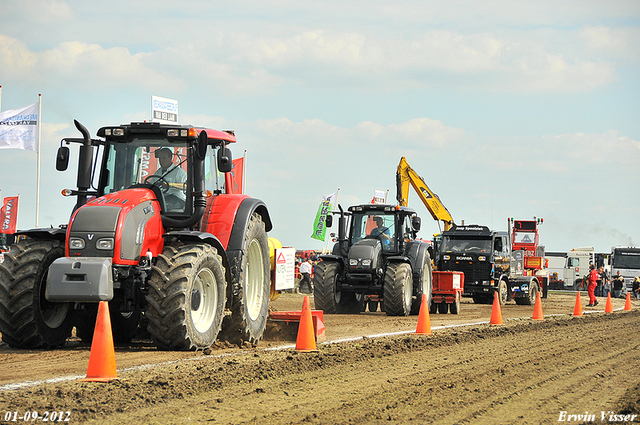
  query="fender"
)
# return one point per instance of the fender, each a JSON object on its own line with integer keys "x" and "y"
{"x": 416, "y": 252}
{"x": 336, "y": 258}
{"x": 193, "y": 236}
{"x": 241, "y": 222}
{"x": 47, "y": 233}
{"x": 227, "y": 217}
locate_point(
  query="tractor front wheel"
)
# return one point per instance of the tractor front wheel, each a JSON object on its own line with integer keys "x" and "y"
{"x": 398, "y": 289}
{"x": 185, "y": 304}
{"x": 27, "y": 319}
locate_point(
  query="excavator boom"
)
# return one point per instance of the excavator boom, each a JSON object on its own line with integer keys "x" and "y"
{"x": 407, "y": 175}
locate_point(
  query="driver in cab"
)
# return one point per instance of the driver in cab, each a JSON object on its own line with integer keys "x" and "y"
{"x": 380, "y": 231}
{"x": 174, "y": 176}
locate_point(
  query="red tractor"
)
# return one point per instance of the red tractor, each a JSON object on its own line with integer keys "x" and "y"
{"x": 156, "y": 234}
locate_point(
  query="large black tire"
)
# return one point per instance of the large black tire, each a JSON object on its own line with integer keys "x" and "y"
{"x": 185, "y": 304}
{"x": 325, "y": 294}
{"x": 425, "y": 286}
{"x": 398, "y": 289}
{"x": 123, "y": 325}
{"x": 27, "y": 319}
{"x": 250, "y": 305}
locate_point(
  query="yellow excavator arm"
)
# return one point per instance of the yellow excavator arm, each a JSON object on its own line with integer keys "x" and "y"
{"x": 407, "y": 175}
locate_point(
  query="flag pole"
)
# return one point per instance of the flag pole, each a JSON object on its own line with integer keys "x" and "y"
{"x": 326, "y": 241}
{"x": 38, "y": 159}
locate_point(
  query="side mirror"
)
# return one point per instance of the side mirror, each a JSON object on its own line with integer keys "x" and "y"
{"x": 416, "y": 223}
{"x": 62, "y": 158}
{"x": 225, "y": 161}
{"x": 201, "y": 147}
{"x": 329, "y": 220}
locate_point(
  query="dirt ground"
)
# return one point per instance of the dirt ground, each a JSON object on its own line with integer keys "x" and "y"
{"x": 371, "y": 369}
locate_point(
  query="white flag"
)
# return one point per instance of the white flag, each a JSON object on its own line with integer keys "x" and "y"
{"x": 19, "y": 128}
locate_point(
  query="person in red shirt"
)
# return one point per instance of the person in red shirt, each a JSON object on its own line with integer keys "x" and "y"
{"x": 593, "y": 282}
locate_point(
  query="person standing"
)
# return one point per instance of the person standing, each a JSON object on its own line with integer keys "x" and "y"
{"x": 636, "y": 287}
{"x": 305, "y": 271}
{"x": 606, "y": 283}
{"x": 617, "y": 284}
{"x": 593, "y": 282}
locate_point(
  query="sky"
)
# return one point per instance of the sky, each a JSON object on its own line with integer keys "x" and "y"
{"x": 505, "y": 108}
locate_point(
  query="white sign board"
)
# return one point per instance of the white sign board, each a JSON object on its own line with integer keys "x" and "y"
{"x": 163, "y": 110}
{"x": 285, "y": 268}
{"x": 379, "y": 197}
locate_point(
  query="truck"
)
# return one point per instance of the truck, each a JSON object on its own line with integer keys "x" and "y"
{"x": 376, "y": 257}
{"x": 567, "y": 269}
{"x": 509, "y": 263}
{"x": 626, "y": 260}
{"x": 166, "y": 245}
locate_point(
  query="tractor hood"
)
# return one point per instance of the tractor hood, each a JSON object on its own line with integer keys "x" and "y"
{"x": 122, "y": 225}
{"x": 365, "y": 255}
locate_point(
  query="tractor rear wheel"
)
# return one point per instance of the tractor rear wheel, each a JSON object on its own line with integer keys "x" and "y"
{"x": 426, "y": 286}
{"x": 250, "y": 303}
{"x": 398, "y": 289}
{"x": 454, "y": 308}
{"x": 27, "y": 319}
{"x": 185, "y": 304}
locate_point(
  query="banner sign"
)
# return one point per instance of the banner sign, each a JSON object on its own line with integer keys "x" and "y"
{"x": 19, "y": 128}
{"x": 9, "y": 215}
{"x": 285, "y": 268}
{"x": 163, "y": 110}
{"x": 379, "y": 197}
{"x": 320, "y": 223}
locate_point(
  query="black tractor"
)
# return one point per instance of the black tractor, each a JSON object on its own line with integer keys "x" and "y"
{"x": 376, "y": 260}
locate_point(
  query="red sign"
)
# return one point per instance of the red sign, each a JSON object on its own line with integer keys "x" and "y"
{"x": 9, "y": 215}
{"x": 233, "y": 179}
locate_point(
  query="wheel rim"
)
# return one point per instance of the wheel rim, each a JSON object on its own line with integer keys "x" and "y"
{"x": 254, "y": 280}
{"x": 408, "y": 291}
{"x": 204, "y": 299}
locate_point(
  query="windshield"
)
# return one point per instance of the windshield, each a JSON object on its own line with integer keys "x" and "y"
{"x": 460, "y": 245}
{"x": 151, "y": 161}
{"x": 626, "y": 260}
{"x": 374, "y": 225}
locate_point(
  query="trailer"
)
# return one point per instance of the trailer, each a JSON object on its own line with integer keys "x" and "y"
{"x": 447, "y": 291}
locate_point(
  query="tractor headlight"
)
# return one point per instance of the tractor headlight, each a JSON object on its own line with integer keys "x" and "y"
{"x": 104, "y": 244}
{"x": 482, "y": 258}
{"x": 446, "y": 257}
{"x": 76, "y": 243}
{"x": 353, "y": 262}
{"x": 366, "y": 262}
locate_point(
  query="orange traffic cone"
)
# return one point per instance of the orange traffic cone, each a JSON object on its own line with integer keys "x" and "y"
{"x": 306, "y": 340}
{"x": 608, "y": 307}
{"x": 577, "y": 310}
{"x": 537, "y": 309}
{"x": 496, "y": 313}
{"x": 102, "y": 358}
{"x": 627, "y": 303}
{"x": 424, "y": 322}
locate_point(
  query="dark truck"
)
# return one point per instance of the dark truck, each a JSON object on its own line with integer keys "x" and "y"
{"x": 488, "y": 263}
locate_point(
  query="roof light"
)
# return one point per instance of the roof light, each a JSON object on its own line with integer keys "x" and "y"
{"x": 193, "y": 132}
{"x": 66, "y": 192}
{"x": 173, "y": 132}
